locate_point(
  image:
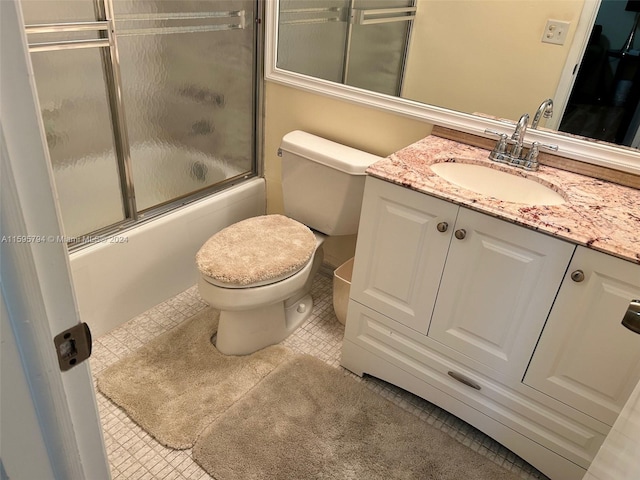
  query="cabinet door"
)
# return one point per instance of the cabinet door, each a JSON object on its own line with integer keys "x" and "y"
{"x": 400, "y": 252}
{"x": 586, "y": 357}
{"x": 497, "y": 288}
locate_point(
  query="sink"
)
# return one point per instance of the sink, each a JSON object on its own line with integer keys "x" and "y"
{"x": 496, "y": 183}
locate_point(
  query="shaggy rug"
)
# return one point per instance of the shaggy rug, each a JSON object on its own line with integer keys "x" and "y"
{"x": 178, "y": 383}
{"x": 307, "y": 420}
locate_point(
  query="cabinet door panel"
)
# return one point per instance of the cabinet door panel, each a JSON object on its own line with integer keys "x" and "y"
{"x": 585, "y": 357}
{"x": 496, "y": 291}
{"x": 400, "y": 252}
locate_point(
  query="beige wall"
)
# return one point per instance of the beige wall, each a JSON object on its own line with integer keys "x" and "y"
{"x": 367, "y": 129}
{"x": 487, "y": 56}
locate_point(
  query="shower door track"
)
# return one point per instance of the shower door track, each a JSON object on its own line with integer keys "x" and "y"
{"x": 107, "y": 42}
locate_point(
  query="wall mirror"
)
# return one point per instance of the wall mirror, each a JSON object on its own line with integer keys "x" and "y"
{"x": 470, "y": 64}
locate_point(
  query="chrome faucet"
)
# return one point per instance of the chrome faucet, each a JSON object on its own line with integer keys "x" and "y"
{"x": 510, "y": 150}
{"x": 544, "y": 110}
{"x": 518, "y": 136}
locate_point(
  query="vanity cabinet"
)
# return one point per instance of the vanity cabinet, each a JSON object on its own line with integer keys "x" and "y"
{"x": 472, "y": 282}
{"x": 460, "y": 308}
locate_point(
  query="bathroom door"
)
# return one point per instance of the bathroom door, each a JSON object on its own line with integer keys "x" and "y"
{"x": 36, "y": 281}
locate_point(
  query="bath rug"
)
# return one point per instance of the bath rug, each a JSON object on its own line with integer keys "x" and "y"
{"x": 307, "y": 420}
{"x": 179, "y": 383}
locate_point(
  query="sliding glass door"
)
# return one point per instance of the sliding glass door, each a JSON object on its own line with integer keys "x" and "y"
{"x": 146, "y": 104}
{"x": 362, "y": 43}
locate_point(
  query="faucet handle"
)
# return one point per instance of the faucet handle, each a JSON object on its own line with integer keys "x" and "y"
{"x": 499, "y": 152}
{"x": 531, "y": 160}
{"x": 547, "y": 146}
{"x": 493, "y": 132}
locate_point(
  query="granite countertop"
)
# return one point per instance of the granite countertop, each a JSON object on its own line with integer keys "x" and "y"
{"x": 597, "y": 214}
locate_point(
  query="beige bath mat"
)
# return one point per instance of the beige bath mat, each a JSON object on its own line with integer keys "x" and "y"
{"x": 178, "y": 383}
{"x": 308, "y": 421}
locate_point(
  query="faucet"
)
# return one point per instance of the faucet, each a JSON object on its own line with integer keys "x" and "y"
{"x": 544, "y": 110}
{"x": 518, "y": 136}
{"x": 515, "y": 156}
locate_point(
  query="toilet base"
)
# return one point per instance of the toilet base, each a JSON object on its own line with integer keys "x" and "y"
{"x": 246, "y": 331}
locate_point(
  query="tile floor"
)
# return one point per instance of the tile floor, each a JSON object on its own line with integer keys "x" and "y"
{"x": 134, "y": 455}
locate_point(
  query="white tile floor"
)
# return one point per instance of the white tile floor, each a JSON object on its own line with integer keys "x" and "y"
{"x": 134, "y": 455}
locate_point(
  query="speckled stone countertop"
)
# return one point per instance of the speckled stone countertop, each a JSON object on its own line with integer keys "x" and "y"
{"x": 597, "y": 214}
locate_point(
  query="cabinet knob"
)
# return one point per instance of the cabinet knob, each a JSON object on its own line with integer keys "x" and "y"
{"x": 577, "y": 276}
{"x": 442, "y": 226}
{"x": 460, "y": 234}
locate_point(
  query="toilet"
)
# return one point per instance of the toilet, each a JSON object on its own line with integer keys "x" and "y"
{"x": 258, "y": 272}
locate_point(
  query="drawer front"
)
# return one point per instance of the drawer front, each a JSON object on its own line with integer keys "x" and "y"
{"x": 576, "y": 441}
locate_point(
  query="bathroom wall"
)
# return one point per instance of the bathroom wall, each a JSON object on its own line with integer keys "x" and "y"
{"x": 373, "y": 131}
{"x": 448, "y": 66}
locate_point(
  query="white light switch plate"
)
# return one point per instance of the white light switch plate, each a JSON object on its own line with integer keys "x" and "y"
{"x": 555, "y": 32}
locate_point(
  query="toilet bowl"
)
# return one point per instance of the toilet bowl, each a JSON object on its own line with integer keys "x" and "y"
{"x": 259, "y": 272}
{"x": 258, "y": 311}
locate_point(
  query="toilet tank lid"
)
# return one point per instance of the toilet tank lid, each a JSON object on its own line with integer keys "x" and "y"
{"x": 332, "y": 154}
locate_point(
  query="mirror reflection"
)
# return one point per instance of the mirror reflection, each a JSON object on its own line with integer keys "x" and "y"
{"x": 486, "y": 57}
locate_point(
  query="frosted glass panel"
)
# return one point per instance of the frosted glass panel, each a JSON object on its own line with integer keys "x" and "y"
{"x": 188, "y": 97}
{"x": 77, "y": 124}
{"x": 50, "y": 11}
{"x": 377, "y": 51}
{"x": 317, "y": 26}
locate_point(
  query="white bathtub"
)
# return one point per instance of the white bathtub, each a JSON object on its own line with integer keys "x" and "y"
{"x": 114, "y": 282}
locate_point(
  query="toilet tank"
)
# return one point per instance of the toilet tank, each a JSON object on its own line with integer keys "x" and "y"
{"x": 323, "y": 182}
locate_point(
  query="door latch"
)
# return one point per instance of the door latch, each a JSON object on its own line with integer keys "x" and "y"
{"x": 73, "y": 346}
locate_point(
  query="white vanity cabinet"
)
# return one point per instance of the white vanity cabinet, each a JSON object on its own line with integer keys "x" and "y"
{"x": 472, "y": 282}
{"x": 450, "y": 304}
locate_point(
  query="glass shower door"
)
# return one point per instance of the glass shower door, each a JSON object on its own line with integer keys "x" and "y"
{"x": 68, "y": 68}
{"x": 378, "y": 47}
{"x": 362, "y": 43}
{"x": 147, "y": 104}
{"x": 187, "y": 81}
{"x": 318, "y": 26}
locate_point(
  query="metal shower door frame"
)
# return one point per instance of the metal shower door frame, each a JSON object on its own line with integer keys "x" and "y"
{"x": 107, "y": 41}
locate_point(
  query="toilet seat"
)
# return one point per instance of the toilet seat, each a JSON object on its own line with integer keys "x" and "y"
{"x": 262, "y": 283}
{"x": 255, "y": 252}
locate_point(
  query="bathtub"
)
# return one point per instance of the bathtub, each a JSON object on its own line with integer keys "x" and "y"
{"x": 117, "y": 280}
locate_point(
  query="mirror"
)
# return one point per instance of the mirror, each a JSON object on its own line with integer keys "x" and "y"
{"x": 458, "y": 63}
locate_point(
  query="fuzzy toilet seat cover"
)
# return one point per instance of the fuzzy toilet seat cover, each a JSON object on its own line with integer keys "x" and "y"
{"x": 256, "y": 250}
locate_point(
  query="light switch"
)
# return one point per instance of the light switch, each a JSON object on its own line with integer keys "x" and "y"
{"x": 555, "y": 32}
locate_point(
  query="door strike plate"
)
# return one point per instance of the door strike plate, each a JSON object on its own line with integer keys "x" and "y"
{"x": 73, "y": 346}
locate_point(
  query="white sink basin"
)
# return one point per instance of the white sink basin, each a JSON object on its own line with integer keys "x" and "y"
{"x": 497, "y": 184}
